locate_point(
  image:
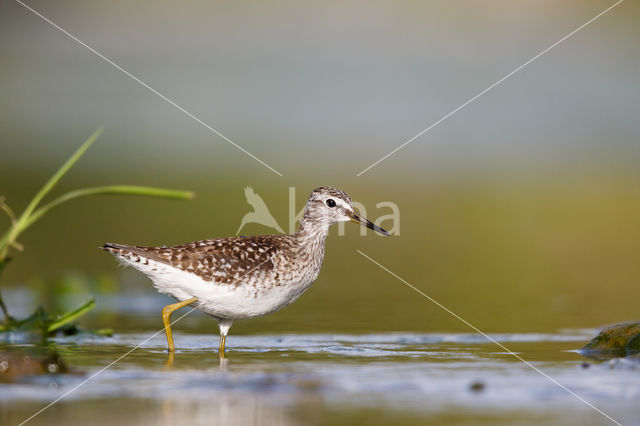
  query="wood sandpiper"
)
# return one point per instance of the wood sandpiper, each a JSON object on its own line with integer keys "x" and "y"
{"x": 243, "y": 277}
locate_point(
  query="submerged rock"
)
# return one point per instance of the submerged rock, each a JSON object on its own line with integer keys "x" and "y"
{"x": 477, "y": 386}
{"x": 615, "y": 341}
{"x": 16, "y": 365}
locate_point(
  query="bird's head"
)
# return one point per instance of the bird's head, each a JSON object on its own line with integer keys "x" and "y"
{"x": 329, "y": 205}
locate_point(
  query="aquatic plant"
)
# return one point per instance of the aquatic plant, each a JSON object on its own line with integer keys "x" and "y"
{"x": 34, "y": 211}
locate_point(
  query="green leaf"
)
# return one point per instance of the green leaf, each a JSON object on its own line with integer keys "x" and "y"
{"x": 38, "y": 320}
{"x": 112, "y": 189}
{"x": 71, "y": 315}
{"x": 16, "y": 228}
{"x": 106, "y": 332}
{"x": 53, "y": 180}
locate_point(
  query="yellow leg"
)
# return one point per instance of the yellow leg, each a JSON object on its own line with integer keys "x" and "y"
{"x": 225, "y": 325}
{"x": 166, "y": 319}
{"x": 223, "y": 339}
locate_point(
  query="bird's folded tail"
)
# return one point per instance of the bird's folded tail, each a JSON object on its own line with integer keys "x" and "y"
{"x": 112, "y": 247}
{"x": 134, "y": 254}
{"x": 119, "y": 250}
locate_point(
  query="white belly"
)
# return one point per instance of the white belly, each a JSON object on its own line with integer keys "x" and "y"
{"x": 223, "y": 301}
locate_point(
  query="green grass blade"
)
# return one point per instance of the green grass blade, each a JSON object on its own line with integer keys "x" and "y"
{"x": 104, "y": 190}
{"x": 71, "y": 315}
{"x": 53, "y": 180}
{"x": 17, "y": 227}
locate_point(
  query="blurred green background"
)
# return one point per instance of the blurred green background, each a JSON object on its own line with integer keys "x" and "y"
{"x": 519, "y": 213}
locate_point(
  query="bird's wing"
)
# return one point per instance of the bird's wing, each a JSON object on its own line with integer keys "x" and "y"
{"x": 223, "y": 260}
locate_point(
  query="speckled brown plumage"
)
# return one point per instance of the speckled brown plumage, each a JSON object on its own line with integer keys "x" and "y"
{"x": 217, "y": 260}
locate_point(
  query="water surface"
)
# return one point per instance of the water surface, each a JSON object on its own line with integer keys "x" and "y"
{"x": 390, "y": 378}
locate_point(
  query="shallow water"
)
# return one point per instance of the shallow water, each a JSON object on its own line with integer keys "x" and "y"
{"x": 458, "y": 378}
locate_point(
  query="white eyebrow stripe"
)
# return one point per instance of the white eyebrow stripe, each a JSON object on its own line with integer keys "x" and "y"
{"x": 343, "y": 204}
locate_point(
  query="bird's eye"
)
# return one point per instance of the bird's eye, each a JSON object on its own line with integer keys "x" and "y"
{"x": 331, "y": 202}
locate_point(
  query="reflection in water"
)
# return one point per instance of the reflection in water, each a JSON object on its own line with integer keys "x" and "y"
{"x": 222, "y": 409}
{"x": 227, "y": 406}
{"x": 168, "y": 365}
{"x": 224, "y": 363}
{"x": 170, "y": 359}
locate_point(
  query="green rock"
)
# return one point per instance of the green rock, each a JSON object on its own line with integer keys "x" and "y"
{"x": 618, "y": 340}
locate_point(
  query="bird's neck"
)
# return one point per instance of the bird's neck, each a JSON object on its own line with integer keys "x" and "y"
{"x": 309, "y": 248}
{"x": 312, "y": 232}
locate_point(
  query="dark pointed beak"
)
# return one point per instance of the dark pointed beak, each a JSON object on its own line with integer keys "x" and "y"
{"x": 355, "y": 217}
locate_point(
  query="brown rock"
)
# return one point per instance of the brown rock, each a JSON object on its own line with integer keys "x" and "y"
{"x": 618, "y": 340}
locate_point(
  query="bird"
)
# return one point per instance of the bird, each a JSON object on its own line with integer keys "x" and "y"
{"x": 243, "y": 277}
{"x": 260, "y": 213}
